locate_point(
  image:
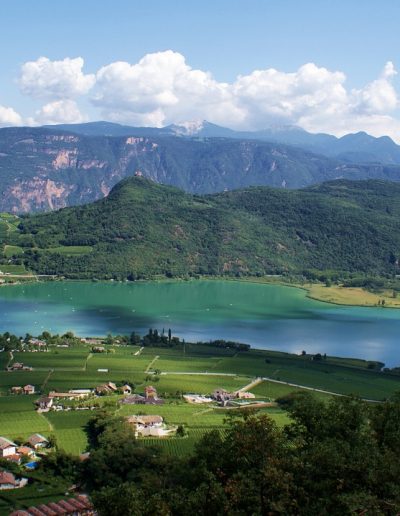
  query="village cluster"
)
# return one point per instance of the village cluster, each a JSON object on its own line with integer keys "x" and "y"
{"x": 27, "y": 453}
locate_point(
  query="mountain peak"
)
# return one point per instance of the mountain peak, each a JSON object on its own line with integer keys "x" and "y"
{"x": 188, "y": 128}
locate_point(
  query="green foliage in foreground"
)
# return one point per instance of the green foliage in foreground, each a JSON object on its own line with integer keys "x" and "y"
{"x": 335, "y": 458}
{"x": 143, "y": 229}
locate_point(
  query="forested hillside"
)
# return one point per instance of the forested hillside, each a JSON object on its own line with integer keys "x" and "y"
{"x": 143, "y": 229}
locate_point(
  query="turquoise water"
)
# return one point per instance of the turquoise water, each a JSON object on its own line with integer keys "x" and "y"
{"x": 265, "y": 316}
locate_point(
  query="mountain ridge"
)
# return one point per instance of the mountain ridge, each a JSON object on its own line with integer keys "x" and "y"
{"x": 352, "y": 147}
{"x": 42, "y": 169}
{"x": 143, "y": 229}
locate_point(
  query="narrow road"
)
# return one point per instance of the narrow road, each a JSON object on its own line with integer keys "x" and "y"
{"x": 11, "y": 359}
{"x": 84, "y": 368}
{"x": 267, "y": 379}
{"x": 43, "y": 386}
{"x": 313, "y": 389}
{"x": 147, "y": 370}
{"x": 251, "y": 384}
{"x": 199, "y": 374}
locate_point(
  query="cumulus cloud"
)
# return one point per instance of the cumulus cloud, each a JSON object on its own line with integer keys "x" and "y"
{"x": 9, "y": 117}
{"x": 56, "y": 80}
{"x": 162, "y": 88}
{"x": 58, "y": 112}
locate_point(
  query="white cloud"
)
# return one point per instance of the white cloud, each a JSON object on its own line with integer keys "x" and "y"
{"x": 9, "y": 117}
{"x": 58, "y": 112}
{"x": 162, "y": 88}
{"x": 55, "y": 80}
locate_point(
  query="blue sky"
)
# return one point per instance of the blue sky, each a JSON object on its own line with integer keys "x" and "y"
{"x": 227, "y": 38}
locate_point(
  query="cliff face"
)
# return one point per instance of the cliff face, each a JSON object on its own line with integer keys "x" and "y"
{"x": 43, "y": 170}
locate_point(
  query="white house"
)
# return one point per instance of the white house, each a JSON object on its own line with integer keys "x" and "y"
{"x": 148, "y": 426}
{"x": 38, "y": 441}
{"x": 7, "y": 447}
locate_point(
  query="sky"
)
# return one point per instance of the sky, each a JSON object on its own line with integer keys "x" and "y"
{"x": 326, "y": 66}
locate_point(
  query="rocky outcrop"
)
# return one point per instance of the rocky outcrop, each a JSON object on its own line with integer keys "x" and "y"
{"x": 44, "y": 169}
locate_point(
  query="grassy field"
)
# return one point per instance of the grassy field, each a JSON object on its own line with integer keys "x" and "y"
{"x": 351, "y": 296}
{"x": 71, "y": 250}
{"x": 12, "y": 250}
{"x": 13, "y": 269}
{"x": 19, "y": 419}
{"x": 182, "y": 369}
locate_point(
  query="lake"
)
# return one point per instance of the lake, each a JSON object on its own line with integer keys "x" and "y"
{"x": 265, "y": 316}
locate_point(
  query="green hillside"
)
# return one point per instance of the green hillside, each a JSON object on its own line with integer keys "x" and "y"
{"x": 143, "y": 229}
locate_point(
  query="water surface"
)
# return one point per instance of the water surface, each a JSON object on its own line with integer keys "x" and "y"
{"x": 265, "y": 316}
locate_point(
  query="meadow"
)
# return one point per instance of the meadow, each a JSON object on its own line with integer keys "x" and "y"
{"x": 173, "y": 371}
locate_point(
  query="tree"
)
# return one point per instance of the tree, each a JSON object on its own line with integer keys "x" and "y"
{"x": 180, "y": 431}
{"x": 52, "y": 441}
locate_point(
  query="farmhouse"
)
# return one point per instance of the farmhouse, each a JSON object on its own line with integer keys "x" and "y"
{"x": 148, "y": 426}
{"x": 126, "y": 389}
{"x": 16, "y": 390}
{"x": 135, "y": 399}
{"x": 44, "y": 403}
{"x": 106, "y": 388}
{"x": 244, "y": 395}
{"x": 18, "y": 366}
{"x": 70, "y": 395}
{"x": 98, "y": 349}
{"x": 150, "y": 393}
{"x": 223, "y": 395}
{"x": 83, "y": 392}
{"x": 7, "y": 447}
{"x": 197, "y": 398}
{"x": 7, "y": 480}
{"x": 29, "y": 389}
{"x": 92, "y": 341}
{"x": 25, "y": 451}
{"x": 38, "y": 441}
{"x": 38, "y": 343}
{"x": 150, "y": 398}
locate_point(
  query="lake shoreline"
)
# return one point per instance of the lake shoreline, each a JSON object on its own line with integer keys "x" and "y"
{"x": 333, "y": 295}
{"x": 262, "y": 313}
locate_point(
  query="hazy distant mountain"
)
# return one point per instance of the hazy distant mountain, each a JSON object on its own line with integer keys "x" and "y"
{"x": 354, "y": 148}
{"x": 46, "y": 169}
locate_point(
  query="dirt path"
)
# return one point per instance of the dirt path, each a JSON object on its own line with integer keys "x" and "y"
{"x": 51, "y": 427}
{"x": 84, "y": 368}
{"x": 250, "y": 385}
{"x": 11, "y": 359}
{"x": 147, "y": 370}
{"x": 313, "y": 389}
{"x": 256, "y": 381}
{"x": 43, "y": 386}
{"x": 199, "y": 374}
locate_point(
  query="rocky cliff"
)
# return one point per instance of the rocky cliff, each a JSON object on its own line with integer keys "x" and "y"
{"x": 43, "y": 169}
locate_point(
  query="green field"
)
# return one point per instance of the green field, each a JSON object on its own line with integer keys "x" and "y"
{"x": 13, "y": 269}
{"x": 12, "y": 250}
{"x": 173, "y": 371}
{"x": 70, "y": 250}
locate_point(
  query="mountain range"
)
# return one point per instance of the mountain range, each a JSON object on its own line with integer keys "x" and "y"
{"x": 48, "y": 168}
{"x": 143, "y": 229}
{"x": 355, "y": 148}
